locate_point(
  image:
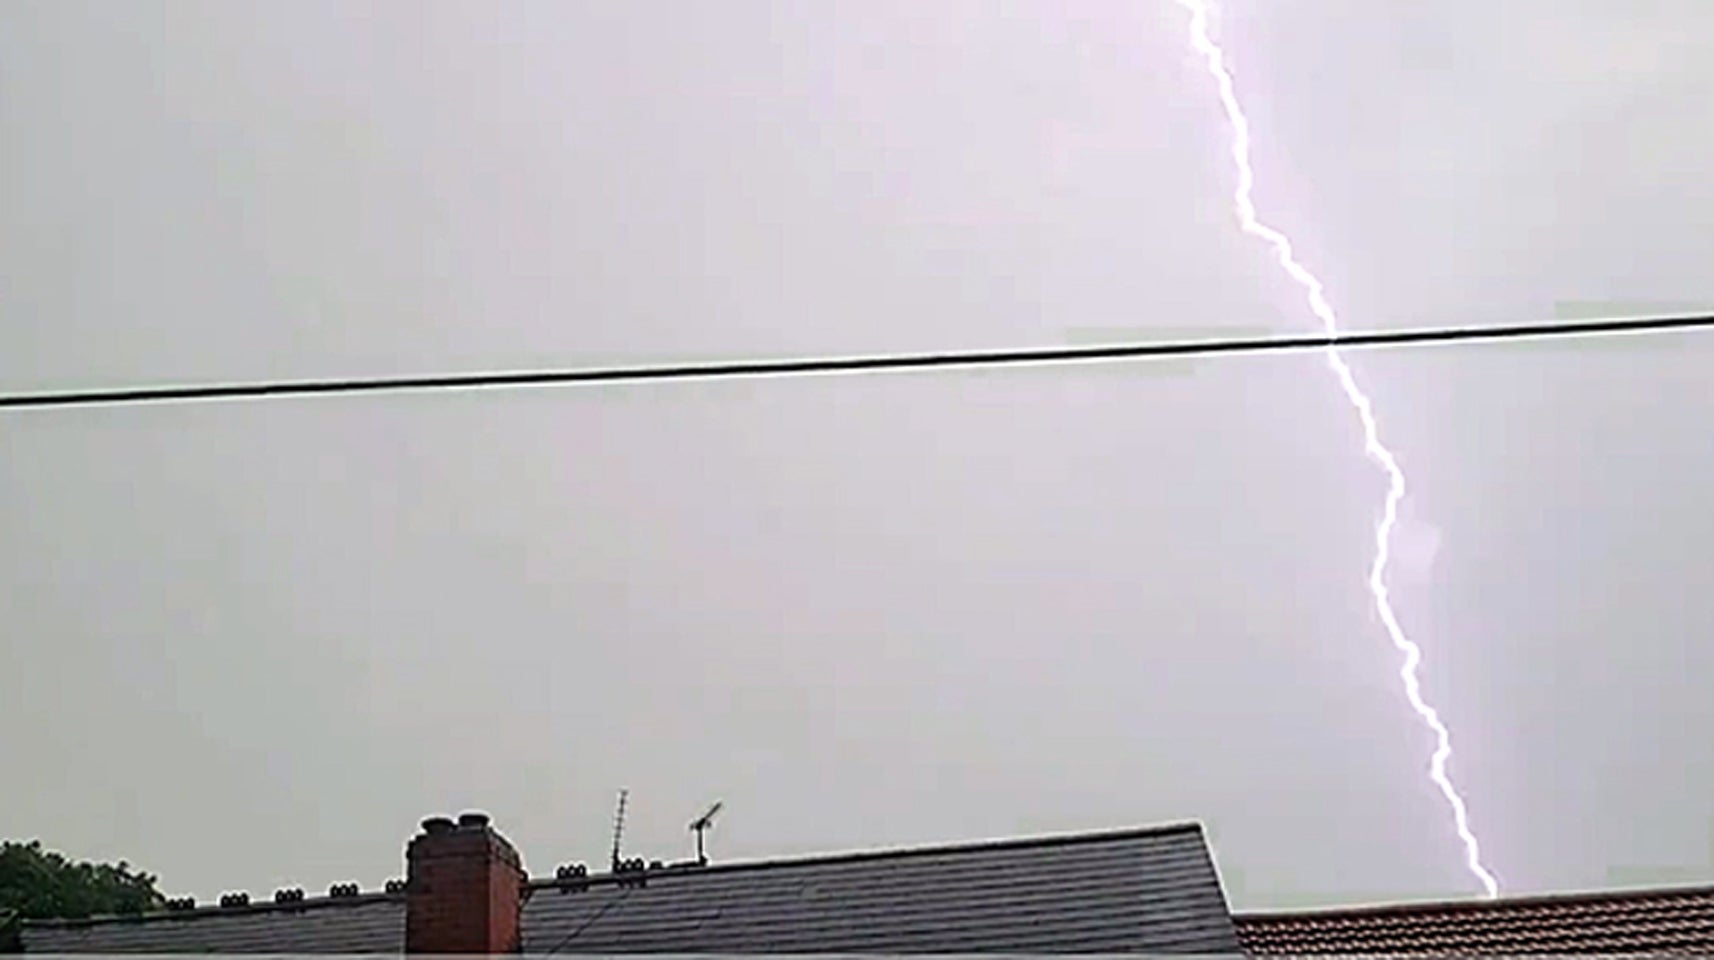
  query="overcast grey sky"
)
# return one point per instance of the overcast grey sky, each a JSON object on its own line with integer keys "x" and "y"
{"x": 250, "y": 644}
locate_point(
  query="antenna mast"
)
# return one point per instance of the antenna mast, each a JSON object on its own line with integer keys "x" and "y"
{"x": 619, "y": 828}
{"x": 701, "y": 824}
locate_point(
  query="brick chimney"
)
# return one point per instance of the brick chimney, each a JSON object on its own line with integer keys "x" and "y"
{"x": 464, "y": 889}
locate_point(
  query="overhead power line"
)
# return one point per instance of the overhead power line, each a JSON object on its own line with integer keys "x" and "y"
{"x": 856, "y": 364}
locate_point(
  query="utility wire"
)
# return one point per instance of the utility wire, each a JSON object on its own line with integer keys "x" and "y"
{"x": 778, "y": 368}
{"x": 590, "y": 920}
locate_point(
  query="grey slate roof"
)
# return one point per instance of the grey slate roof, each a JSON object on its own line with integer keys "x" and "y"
{"x": 372, "y": 923}
{"x": 1149, "y": 890}
{"x": 1152, "y": 890}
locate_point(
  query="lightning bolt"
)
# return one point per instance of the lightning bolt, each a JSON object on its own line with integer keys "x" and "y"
{"x": 1372, "y": 445}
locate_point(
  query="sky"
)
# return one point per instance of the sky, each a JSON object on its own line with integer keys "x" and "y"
{"x": 250, "y": 644}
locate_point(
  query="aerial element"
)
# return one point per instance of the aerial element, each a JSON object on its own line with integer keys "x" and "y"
{"x": 702, "y": 824}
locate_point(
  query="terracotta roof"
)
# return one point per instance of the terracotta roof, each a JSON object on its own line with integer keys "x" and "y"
{"x": 1677, "y": 920}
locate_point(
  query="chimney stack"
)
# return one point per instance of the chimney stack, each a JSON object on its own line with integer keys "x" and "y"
{"x": 464, "y": 889}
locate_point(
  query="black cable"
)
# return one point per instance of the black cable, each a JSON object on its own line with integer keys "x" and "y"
{"x": 590, "y": 920}
{"x": 770, "y": 368}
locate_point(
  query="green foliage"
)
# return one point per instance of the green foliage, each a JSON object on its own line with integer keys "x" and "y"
{"x": 39, "y": 884}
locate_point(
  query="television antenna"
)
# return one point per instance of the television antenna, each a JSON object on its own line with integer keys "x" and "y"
{"x": 702, "y": 824}
{"x": 619, "y": 828}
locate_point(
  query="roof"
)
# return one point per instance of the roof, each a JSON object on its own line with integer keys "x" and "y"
{"x": 367, "y": 923}
{"x": 1628, "y": 921}
{"x": 1153, "y": 890}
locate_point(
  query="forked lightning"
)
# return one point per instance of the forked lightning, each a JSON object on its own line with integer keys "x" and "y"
{"x": 1251, "y": 224}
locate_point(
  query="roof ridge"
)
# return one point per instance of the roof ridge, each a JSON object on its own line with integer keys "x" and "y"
{"x": 212, "y": 909}
{"x": 904, "y": 852}
{"x": 1570, "y": 897}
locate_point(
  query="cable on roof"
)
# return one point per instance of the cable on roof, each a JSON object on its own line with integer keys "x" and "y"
{"x": 585, "y": 925}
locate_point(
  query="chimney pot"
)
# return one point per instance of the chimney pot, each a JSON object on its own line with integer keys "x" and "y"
{"x": 472, "y": 821}
{"x": 434, "y": 826}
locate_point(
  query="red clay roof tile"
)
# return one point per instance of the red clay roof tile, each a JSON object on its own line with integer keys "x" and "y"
{"x": 1679, "y": 920}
